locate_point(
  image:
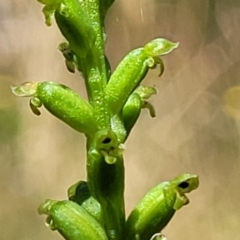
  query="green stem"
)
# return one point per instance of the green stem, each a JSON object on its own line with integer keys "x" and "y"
{"x": 95, "y": 69}
{"x": 106, "y": 181}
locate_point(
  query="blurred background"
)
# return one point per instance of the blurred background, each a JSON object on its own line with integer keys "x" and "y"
{"x": 197, "y": 128}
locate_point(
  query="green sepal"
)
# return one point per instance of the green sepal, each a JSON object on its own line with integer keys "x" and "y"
{"x": 71, "y": 220}
{"x": 158, "y": 206}
{"x": 80, "y": 193}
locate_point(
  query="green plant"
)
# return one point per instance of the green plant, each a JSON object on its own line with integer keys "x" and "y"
{"x": 95, "y": 208}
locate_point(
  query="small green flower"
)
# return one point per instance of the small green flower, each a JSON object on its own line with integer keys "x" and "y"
{"x": 62, "y": 102}
{"x": 133, "y": 69}
{"x": 71, "y": 220}
{"x": 158, "y": 206}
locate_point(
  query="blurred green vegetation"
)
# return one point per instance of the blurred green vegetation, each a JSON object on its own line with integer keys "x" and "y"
{"x": 41, "y": 157}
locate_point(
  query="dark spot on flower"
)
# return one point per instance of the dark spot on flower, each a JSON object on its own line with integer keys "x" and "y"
{"x": 183, "y": 185}
{"x": 107, "y": 140}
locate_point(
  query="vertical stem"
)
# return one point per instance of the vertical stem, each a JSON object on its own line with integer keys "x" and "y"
{"x": 106, "y": 181}
{"x": 95, "y": 69}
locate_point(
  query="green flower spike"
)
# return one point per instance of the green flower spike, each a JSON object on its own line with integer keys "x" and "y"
{"x": 158, "y": 206}
{"x": 71, "y": 220}
{"x": 95, "y": 209}
{"x": 62, "y": 102}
